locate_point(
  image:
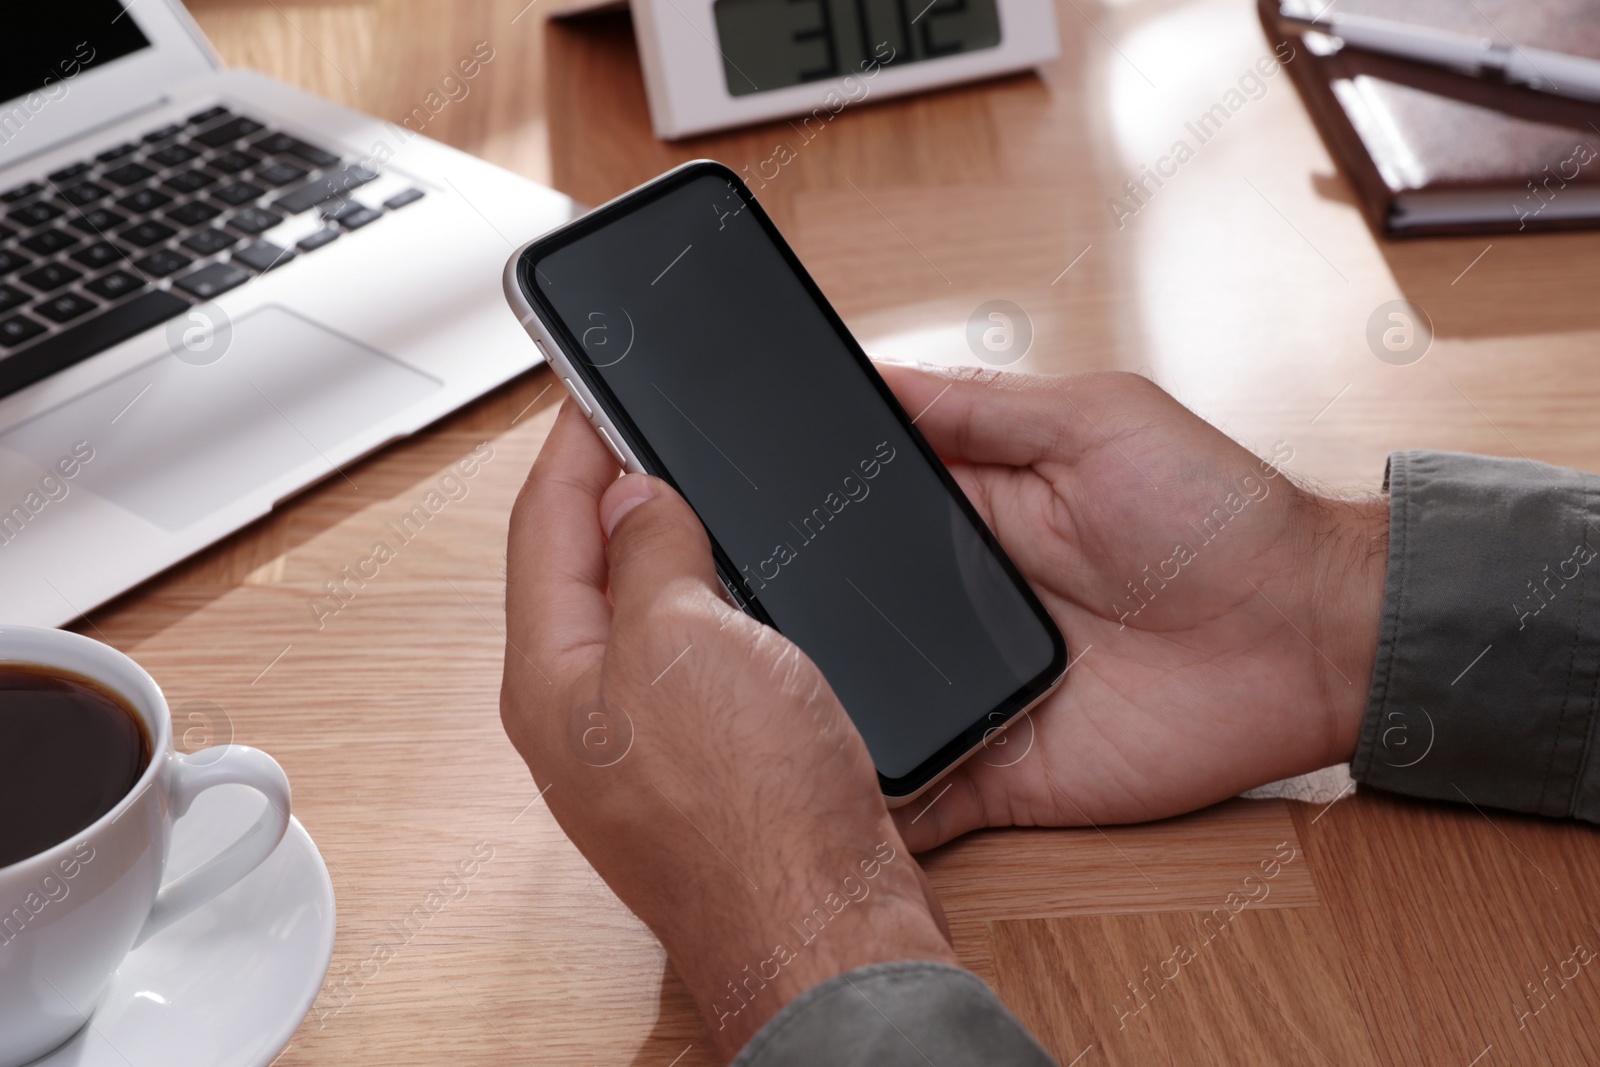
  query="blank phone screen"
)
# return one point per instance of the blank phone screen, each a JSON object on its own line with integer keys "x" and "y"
{"x": 742, "y": 389}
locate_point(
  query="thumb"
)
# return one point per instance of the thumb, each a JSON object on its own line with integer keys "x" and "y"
{"x": 656, "y": 540}
{"x": 974, "y": 415}
{"x": 946, "y": 812}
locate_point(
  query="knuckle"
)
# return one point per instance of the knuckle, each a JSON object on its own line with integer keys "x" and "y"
{"x": 522, "y": 511}
{"x": 643, "y": 532}
{"x": 518, "y": 720}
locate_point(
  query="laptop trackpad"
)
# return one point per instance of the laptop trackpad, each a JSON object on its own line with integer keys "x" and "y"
{"x": 175, "y": 441}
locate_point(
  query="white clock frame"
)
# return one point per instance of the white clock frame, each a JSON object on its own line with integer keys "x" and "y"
{"x": 683, "y": 69}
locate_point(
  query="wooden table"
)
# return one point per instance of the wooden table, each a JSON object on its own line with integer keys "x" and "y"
{"x": 1400, "y": 933}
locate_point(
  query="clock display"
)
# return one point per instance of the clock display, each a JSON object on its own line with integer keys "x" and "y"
{"x": 770, "y": 44}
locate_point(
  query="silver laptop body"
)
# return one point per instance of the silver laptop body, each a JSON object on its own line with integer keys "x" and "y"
{"x": 216, "y": 290}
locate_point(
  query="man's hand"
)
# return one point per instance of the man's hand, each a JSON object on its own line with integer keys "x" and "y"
{"x": 1223, "y": 621}
{"x": 694, "y": 756}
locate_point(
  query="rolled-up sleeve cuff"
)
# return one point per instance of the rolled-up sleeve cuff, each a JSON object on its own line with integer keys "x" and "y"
{"x": 1485, "y": 684}
{"x": 895, "y": 1015}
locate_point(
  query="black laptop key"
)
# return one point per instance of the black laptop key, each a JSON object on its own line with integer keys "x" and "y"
{"x": 235, "y": 193}
{"x": 111, "y": 155}
{"x": 84, "y": 193}
{"x": 97, "y": 221}
{"x": 227, "y": 132}
{"x": 317, "y": 157}
{"x": 172, "y": 155}
{"x": 162, "y": 262}
{"x": 66, "y": 174}
{"x": 11, "y": 296}
{"x": 280, "y": 174}
{"x": 188, "y": 181}
{"x": 144, "y": 201}
{"x": 163, "y": 133}
{"x": 146, "y": 234}
{"x": 312, "y": 242}
{"x": 21, "y": 192}
{"x": 357, "y": 219}
{"x": 281, "y": 144}
{"x": 254, "y": 220}
{"x": 274, "y": 144}
{"x": 211, "y": 281}
{"x": 324, "y": 188}
{"x": 10, "y": 261}
{"x": 115, "y": 284}
{"x": 35, "y": 214}
{"x": 66, "y": 307}
{"x": 93, "y": 335}
{"x": 51, "y": 276}
{"x": 49, "y": 242}
{"x": 13, "y": 332}
{"x": 193, "y": 213}
{"x": 209, "y": 242}
{"x": 404, "y": 197}
{"x": 128, "y": 174}
{"x": 335, "y": 210}
{"x": 210, "y": 114}
{"x": 262, "y": 255}
{"x": 232, "y": 162}
{"x": 100, "y": 254}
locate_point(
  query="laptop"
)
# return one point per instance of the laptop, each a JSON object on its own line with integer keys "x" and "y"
{"x": 215, "y": 291}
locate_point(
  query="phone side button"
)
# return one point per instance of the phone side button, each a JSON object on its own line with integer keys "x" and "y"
{"x": 584, "y": 404}
{"x": 615, "y": 451}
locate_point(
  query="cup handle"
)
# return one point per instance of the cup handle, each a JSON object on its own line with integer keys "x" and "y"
{"x": 192, "y": 775}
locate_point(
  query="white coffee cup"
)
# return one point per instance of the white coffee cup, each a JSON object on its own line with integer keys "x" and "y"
{"x": 69, "y": 914}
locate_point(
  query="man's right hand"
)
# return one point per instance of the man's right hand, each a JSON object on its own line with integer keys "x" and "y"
{"x": 1222, "y": 621}
{"x": 697, "y": 758}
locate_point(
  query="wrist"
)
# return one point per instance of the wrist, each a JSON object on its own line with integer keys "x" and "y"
{"x": 747, "y": 958}
{"x": 1351, "y": 547}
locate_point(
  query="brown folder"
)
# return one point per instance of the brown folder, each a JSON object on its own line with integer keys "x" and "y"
{"x": 1431, "y": 151}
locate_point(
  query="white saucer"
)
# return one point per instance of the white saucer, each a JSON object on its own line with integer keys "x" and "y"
{"x": 228, "y": 985}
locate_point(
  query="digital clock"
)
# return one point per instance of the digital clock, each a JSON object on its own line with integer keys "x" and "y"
{"x": 711, "y": 64}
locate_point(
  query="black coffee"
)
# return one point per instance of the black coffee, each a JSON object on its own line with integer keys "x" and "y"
{"x": 69, "y": 750}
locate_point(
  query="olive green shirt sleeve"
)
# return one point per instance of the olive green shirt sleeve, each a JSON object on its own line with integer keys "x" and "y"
{"x": 895, "y": 1015}
{"x": 1488, "y": 667}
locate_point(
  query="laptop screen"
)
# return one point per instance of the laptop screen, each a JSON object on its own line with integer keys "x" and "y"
{"x": 45, "y": 45}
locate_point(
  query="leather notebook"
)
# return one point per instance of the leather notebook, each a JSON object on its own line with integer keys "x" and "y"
{"x": 1431, "y": 151}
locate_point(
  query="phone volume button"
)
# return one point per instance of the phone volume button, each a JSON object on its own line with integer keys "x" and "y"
{"x": 584, "y": 404}
{"x": 615, "y": 451}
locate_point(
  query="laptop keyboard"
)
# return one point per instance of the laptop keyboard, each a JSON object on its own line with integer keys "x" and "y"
{"x": 108, "y": 247}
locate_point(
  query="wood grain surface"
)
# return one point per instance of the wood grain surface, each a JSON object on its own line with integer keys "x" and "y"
{"x": 1401, "y": 933}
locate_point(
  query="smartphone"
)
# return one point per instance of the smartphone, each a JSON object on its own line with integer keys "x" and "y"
{"x": 704, "y": 354}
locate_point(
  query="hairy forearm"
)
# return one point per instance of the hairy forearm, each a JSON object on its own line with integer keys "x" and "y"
{"x": 747, "y": 951}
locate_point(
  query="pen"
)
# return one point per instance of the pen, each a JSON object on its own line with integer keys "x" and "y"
{"x": 1535, "y": 68}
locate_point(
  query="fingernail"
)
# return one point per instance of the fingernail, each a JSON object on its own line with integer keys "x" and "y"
{"x": 629, "y": 492}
